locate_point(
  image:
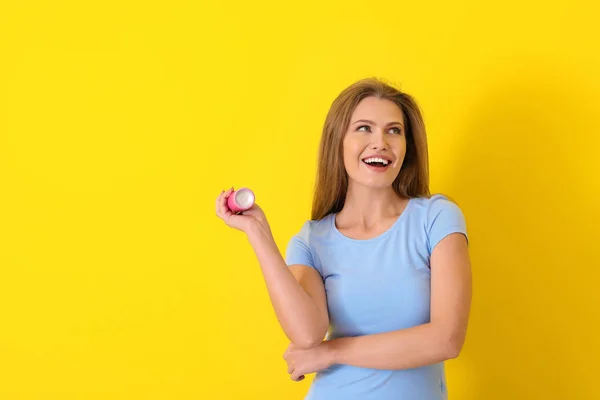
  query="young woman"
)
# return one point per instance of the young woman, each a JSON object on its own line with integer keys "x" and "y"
{"x": 381, "y": 271}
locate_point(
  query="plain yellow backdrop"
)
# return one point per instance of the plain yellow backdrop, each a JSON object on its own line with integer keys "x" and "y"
{"x": 120, "y": 123}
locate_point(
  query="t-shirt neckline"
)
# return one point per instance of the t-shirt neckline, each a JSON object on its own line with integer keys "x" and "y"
{"x": 382, "y": 235}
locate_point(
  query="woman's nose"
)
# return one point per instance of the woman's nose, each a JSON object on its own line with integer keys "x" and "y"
{"x": 379, "y": 141}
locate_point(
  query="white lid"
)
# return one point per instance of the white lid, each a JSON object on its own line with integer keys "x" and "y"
{"x": 244, "y": 198}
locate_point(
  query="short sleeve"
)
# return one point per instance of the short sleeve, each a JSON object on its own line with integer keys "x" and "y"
{"x": 298, "y": 250}
{"x": 444, "y": 217}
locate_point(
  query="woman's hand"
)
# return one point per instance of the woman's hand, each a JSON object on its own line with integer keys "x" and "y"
{"x": 307, "y": 361}
{"x": 249, "y": 219}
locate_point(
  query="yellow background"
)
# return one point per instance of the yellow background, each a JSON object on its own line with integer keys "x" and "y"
{"x": 120, "y": 123}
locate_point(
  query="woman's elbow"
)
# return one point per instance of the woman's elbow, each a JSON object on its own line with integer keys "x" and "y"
{"x": 453, "y": 351}
{"x": 310, "y": 339}
{"x": 452, "y": 346}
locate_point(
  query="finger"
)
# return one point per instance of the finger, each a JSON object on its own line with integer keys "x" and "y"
{"x": 224, "y": 198}
{"x": 296, "y": 378}
{"x": 228, "y": 192}
{"x": 218, "y": 203}
{"x": 222, "y": 208}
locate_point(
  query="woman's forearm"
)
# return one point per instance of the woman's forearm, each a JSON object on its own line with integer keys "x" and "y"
{"x": 296, "y": 311}
{"x": 407, "y": 348}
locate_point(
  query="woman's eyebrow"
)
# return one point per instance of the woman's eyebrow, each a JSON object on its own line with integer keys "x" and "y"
{"x": 373, "y": 123}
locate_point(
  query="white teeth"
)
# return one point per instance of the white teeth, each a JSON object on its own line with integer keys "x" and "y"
{"x": 376, "y": 159}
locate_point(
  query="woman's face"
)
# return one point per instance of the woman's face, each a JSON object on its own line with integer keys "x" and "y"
{"x": 375, "y": 143}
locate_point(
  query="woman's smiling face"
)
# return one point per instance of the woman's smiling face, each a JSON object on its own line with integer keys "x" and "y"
{"x": 375, "y": 144}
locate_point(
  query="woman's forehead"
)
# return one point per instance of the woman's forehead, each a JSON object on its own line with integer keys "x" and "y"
{"x": 377, "y": 111}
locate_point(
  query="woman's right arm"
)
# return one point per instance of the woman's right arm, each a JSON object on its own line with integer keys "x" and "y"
{"x": 296, "y": 292}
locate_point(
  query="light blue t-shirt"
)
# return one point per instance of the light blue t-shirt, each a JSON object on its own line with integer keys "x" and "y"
{"x": 378, "y": 285}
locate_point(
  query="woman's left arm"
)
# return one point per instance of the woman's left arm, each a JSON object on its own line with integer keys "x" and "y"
{"x": 440, "y": 339}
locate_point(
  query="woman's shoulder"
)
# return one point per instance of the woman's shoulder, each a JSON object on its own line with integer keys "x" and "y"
{"x": 311, "y": 228}
{"x": 435, "y": 203}
{"x": 429, "y": 210}
{"x": 439, "y": 215}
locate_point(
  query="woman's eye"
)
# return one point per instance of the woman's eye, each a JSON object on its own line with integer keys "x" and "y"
{"x": 360, "y": 128}
{"x": 395, "y": 130}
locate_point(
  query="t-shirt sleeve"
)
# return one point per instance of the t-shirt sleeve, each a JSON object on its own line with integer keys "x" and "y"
{"x": 298, "y": 250}
{"x": 444, "y": 217}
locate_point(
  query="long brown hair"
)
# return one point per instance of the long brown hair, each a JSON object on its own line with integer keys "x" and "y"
{"x": 332, "y": 180}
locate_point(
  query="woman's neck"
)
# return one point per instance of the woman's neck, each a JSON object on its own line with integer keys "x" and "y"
{"x": 368, "y": 207}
